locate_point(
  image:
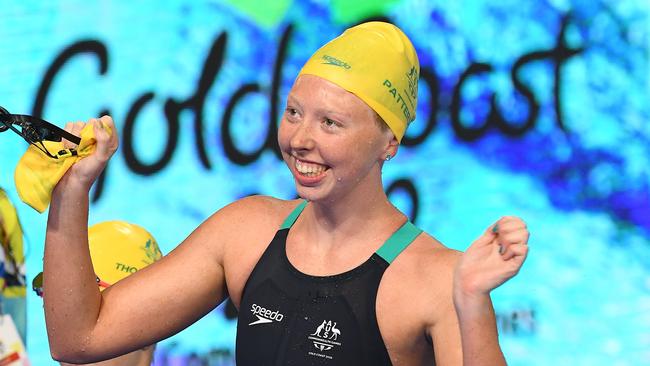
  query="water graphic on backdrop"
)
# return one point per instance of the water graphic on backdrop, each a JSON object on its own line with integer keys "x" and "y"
{"x": 538, "y": 109}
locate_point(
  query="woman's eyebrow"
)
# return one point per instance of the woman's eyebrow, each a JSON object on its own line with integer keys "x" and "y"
{"x": 319, "y": 110}
{"x": 292, "y": 99}
{"x": 332, "y": 113}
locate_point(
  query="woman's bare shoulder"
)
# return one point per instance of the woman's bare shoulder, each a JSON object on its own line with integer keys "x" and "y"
{"x": 253, "y": 212}
{"x": 422, "y": 279}
{"x": 428, "y": 252}
{"x": 427, "y": 264}
{"x": 246, "y": 228}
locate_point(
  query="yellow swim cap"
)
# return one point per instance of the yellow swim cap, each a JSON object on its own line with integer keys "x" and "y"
{"x": 37, "y": 174}
{"x": 12, "y": 258}
{"x": 118, "y": 249}
{"x": 376, "y": 62}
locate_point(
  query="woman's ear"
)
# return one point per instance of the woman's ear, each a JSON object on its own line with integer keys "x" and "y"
{"x": 391, "y": 148}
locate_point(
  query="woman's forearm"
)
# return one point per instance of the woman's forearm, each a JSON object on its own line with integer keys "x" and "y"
{"x": 70, "y": 293}
{"x": 480, "y": 340}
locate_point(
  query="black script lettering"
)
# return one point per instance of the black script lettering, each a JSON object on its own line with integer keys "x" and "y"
{"x": 270, "y": 142}
{"x": 211, "y": 68}
{"x": 559, "y": 54}
{"x": 533, "y": 111}
{"x": 229, "y": 148}
{"x": 465, "y": 132}
{"x": 92, "y": 47}
{"x": 434, "y": 92}
{"x": 134, "y": 163}
{"x": 173, "y": 109}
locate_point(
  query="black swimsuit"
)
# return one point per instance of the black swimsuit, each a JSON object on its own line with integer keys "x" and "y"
{"x": 287, "y": 317}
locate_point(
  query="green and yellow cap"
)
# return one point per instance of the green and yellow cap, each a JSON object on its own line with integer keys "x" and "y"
{"x": 118, "y": 249}
{"x": 376, "y": 62}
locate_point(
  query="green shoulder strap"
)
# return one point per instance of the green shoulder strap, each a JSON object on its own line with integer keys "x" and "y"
{"x": 293, "y": 215}
{"x": 398, "y": 242}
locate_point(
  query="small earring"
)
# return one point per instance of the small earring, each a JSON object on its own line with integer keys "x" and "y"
{"x": 388, "y": 157}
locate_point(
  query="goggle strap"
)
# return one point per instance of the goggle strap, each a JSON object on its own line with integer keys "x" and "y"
{"x": 54, "y": 133}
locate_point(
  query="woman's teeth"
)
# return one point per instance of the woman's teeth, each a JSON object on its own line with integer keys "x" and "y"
{"x": 309, "y": 169}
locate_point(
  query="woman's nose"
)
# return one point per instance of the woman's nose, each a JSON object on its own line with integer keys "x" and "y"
{"x": 302, "y": 138}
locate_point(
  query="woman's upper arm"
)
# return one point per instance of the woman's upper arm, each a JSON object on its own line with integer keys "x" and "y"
{"x": 169, "y": 295}
{"x": 443, "y": 328}
{"x": 446, "y": 341}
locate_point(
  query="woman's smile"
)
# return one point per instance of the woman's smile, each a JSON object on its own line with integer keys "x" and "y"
{"x": 309, "y": 173}
{"x": 309, "y": 169}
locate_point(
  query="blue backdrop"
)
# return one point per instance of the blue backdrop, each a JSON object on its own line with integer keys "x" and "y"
{"x": 539, "y": 109}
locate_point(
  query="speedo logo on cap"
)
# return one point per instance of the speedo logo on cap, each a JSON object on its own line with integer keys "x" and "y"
{"x": 265, "y": 315}
{"x": 329, "y": 60}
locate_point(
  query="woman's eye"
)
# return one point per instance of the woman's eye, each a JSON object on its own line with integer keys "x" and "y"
{"x": 329, "y": 123}
{"x": 291, "y": 113}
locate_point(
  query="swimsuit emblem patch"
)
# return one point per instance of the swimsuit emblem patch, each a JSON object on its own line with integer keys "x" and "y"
{"x": 325, "y": 338}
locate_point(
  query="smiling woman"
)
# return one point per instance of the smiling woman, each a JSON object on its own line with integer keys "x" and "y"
{"x": 326, "y": 137}
{"x": 339, "y": 277}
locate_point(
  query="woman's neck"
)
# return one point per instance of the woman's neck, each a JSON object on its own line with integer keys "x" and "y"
{"x": 356, "y": 214}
